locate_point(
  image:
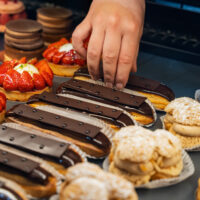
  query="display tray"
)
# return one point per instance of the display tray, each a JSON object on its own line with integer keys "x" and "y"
{"x": 184, "y": 80}
{"x": 144, "y": 194}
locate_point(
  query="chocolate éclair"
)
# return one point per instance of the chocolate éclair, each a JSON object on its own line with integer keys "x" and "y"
{"x": 57, "y": 152}
{"x": 92, "y": 135}
{"x": 114, "y": 116}
{"x": 158, "y": 93}
{"x": 134, "y": 103}
{"x": 34, "y": 175}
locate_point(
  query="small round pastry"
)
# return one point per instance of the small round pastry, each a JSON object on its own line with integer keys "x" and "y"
{"x": 62, "y": 58}
{"x": 169, "y": 162}
{"x": 104, "y": 185}
{"x": 125, "y": 133}
{"x": 183, "y": 120}
{"x": 81, "y": 189}
{"x": 2, "y": 106}
{"x": 11, "y": 10}
{"x": 132, "y": 159}
{"x": 19, "y": 80}
{"x": 140, "y": 155}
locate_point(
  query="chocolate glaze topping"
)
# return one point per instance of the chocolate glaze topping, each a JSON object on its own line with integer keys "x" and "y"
{"x": 139, "y": 84}
{"x": 114, "y": 116}
{"x": 128, "y": 102}
{"x": 23, "y": 165}
{"x": 58, "y": 121}
{"x": 39, "y": 145}
{"x": 104, "y": 92}
{"x": 62, "y": 125}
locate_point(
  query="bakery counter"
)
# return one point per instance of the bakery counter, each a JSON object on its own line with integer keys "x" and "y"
{"x": 184, "y": 80}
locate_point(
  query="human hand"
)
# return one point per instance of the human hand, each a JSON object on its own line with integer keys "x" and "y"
{"x": 115, "y": 28}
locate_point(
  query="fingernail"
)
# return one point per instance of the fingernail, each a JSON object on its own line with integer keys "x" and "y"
{"x": 119, "y": 86}
{"x": 109, "y": 84}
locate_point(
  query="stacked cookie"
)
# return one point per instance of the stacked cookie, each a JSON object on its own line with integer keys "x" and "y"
{"x": 11, "y": 10}
{"x": 56, "y": 22}
{"x": 23, "y": 39}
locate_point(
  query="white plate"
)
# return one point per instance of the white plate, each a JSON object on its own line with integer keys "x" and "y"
{"x": 188, "y": 170}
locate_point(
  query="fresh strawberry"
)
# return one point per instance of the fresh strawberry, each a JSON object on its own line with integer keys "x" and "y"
{"x": 16, "y": 16}
{"x": 3, "y": 69}
{"x": 5, "y": 18}
{"x": 58, "y": 57}
{"x": 11, "y": 80}
{"x": 25, "y": 82}
{"x": 2, "y": 101}
{"x": 79, "y": 61}
{"x": 51, "y": 54}
{"x": 45, "y": 71}
{"x": 23, "y": 60}
{"x": 1, "y": 108}
{"x": 46, "y": 52}
{"x": 47, "y": 78}
{"x": 33, "y": 61}
{"x": 43, "y": 65}
{"x": 38, "y": 81}
{"x": 68, "y": 58}
{"x": 59, "y": 43}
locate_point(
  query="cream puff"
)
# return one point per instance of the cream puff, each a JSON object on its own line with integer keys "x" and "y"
{"x": 89, "y": 182}
{"x": 183, "y": 120}
{"x": 140, "y": 155}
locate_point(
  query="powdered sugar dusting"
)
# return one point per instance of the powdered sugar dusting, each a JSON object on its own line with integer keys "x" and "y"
{"x": 185, "y": 110}
{"x": 117, "y": 187}
{"x": 167, "y": 144}
{"x": 136, "y": 149}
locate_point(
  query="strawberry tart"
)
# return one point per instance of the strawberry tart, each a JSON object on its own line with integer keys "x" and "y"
{"x": 11, "y": 10}
{"x": 2, "y": 106}
{"x": 62, "y": 58}
{"x": 19, "y": 80}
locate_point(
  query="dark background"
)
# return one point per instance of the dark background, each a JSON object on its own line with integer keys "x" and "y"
{"x": 171, "y": 26}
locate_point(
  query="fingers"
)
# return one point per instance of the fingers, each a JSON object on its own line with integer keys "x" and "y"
{"x": 81, "y": 32}
{"x": 127, "y": 60}
{"x": 94, "y": 51}
{"x": 111, "y": 51}
{"x": 134, "y": 66}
